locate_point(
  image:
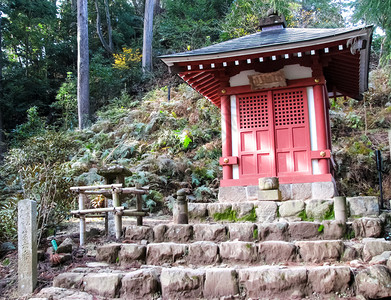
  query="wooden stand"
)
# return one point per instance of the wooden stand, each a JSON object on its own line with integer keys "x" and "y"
{"x": 115, "y": 191}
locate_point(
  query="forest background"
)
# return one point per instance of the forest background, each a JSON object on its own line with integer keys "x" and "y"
{"x": 168, "y": 143}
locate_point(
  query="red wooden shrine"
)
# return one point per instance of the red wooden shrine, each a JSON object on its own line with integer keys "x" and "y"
{"x": 283, "y": 129}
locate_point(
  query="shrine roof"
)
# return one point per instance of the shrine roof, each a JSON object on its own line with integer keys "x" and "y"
{"x": 284, "y": 38}
{"x": 341, "y": 53}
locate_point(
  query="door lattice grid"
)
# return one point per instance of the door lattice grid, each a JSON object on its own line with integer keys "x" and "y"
{"x": 253, "y": 111}
{"x": 289, "y": 108}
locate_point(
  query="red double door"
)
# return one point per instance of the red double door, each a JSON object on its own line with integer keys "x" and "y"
{"x": 274, "y": 138}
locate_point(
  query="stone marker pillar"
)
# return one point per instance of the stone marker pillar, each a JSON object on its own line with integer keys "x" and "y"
{"x": 27, "y": 246}
{"x": 182, "y": 213}
{"x": 340, "y": 209}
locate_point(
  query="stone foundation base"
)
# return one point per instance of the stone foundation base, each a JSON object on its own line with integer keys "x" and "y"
{"x": 293, "y": 191}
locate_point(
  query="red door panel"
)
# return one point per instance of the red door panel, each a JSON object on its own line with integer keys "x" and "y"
{"x": 255, "y": 122}
{"x": 292, "y": 132}
{"x": 273, "y": 134}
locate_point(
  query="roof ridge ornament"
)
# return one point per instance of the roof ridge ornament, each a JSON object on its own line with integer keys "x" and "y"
{"x": 273, "y": 21}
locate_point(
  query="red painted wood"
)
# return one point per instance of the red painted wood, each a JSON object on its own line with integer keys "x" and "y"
{"x": 317, "y": 154}
{"x": 321, "y": 130}
{"x": 227, "y": 142}
{"x": 282, "y": 180}
{"x": 232, "y": 160}
{"x": 273, "y": 134}
{"x": 290, "y": 84}
{"x": 256, "y": 141}
{"x": 292, "y": 132}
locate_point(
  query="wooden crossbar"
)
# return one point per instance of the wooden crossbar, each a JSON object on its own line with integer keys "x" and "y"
{"x": 95, "y": 187}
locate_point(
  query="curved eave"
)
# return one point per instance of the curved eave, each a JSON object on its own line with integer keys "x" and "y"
{"x": 170, "y": 60}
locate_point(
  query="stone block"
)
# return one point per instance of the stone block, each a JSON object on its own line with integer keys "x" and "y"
{"x": 323, "y": 190}
{"x": 266, "y": 282}
{"x": 108, "y": 253}
{"x": 274, "y": 252}
{"x": 286, "y": 192}
{"x": 363, "y": 206}
{"x": 139, "y": 233}
{"x": 266, "y": 211}
{"x": 56, "y": 293}
{"x": 273, "y": 232}
{"x": 66, "y": 246}
{"x": 232, "y": 194}
{"x": 158, "y": 254}
{"x": 242, "y": 232}
{"x": 103, "y": 284}
{"x": 180, "y": 233}
{"x": 203, "y": 253}
{"x": 220, "y": 283}
{"x": 299, "y": 231}
{"x": 333, "y": 230}
{"x": 210, "y": 232}
{"x": 218, "y": 208}
{"x": 240, "y": 252}
{"x": 131, "y": 253}
{"x": 141, "y": 284}
{"x": 243, "y": 209}
{"x": 319, "y": 209}
{"x": 159, "y": 232}
{"x": 367, "y": 227}
{"x": 320, "y": 251}
{"x": 252, "y": 192}
{"x": 350, "y": 253}
{"x": 268, "y": 183}
{"x": 197, "y": 210}
{"x": 291, "y": 208}
{"x": 373, "y": 247}
{"x": 68, "y": 280}
{"x": 269, "y": 195}
{"x": 177, "y": 283}
{"x": 329, "y": 280}
{"x": 27, "y": 246}
{"x": 374, "y": 282}
{"x": 381, "y": 259}
{"x": 301, "y": 191}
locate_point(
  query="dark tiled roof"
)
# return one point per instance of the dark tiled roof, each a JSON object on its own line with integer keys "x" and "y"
{"x": 266, "y": 39}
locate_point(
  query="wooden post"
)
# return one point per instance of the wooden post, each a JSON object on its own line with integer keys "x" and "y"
{"x": 139, "y": 205}
{"x": 82, "y": 219}
{"x": 226, "y": 134}
{"x": 118, "y": 217}
{"x": 321, "y": 127}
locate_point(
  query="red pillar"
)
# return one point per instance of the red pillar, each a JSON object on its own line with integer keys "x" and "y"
{"x": 227, "y": 137}
{"x": 321, "y": 130}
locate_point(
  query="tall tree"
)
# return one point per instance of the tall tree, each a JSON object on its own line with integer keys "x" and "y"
{"x": 109, "y": 44}
{"x": 1, "y": 90}
{"x": 83, "y": 89}
{"x": 377, "y": 12}
{"x": 148, "y": 34}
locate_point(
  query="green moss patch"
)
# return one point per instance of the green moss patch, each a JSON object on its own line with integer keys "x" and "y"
{"x": 227, "y": 215}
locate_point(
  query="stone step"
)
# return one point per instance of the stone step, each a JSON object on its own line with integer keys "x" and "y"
{"x": 256, "y": 282}
{"x": 250, "y": 232}
{"x": 270, "y": 211}
{"x": 243, "y": 253}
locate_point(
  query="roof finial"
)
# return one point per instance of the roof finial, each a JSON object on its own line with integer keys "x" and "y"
{"x": 272, "y": 21}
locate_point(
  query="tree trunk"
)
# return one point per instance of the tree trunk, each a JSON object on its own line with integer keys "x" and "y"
{"x": 108, "y": 46}
{"x": 83, "y": 89}
{"x": 148, "y": 33}
{"x": 1, "y": 95}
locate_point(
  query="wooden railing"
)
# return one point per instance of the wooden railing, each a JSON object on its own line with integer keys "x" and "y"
{"x": 113, "y": 190}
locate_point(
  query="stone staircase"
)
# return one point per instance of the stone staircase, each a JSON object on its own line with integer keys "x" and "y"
{"x": 237, "y": 251}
